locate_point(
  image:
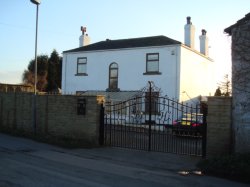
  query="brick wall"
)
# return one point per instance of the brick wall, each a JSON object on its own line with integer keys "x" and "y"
{"x": 56, "y": 116}
{"x": 219, "y": 134}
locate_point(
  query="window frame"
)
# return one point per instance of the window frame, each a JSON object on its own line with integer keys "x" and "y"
{"x": 79, "y": 64}
{"x": 148, "y": 60}
{"x": 115, "y": 78}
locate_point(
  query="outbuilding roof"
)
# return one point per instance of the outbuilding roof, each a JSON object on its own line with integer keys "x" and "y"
{"x": 113, "y": 96}
{"x": 238, "y": 23}
{"x": 127, "y": 43}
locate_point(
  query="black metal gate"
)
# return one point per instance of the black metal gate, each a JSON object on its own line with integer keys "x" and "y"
{"x": 151, "y": 122}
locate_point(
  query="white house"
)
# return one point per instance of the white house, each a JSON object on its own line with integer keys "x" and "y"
{"x": 128, "y": 64}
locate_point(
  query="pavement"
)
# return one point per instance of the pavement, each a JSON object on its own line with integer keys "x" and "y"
{"x": 24, "y": 162}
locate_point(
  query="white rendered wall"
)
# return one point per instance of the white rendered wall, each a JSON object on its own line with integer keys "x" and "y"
{"x": 132, "y": 65}
{"x": 197, "y": 75}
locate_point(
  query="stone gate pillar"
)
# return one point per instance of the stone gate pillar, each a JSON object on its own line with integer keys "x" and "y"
{"x": 219, "y": 133}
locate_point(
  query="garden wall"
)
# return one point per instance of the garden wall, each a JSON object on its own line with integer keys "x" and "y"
{"x": 56, "y": 117}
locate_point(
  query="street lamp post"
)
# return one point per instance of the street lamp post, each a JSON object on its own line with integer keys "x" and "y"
{"x": 36, "y": 2}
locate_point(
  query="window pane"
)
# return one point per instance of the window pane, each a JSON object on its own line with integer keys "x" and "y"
{"x": 81, "y": 65}
{"x": 153, "y": 57}
{"x": 113, "y": 84}
{"x": 82, "y": 60}
{"x": 152, "y": 66}
{"x": 82, "y": 68}
{"x": 113, "y": 76}
{"x": 114, "y": 73}
{"x": 114, "y": 65}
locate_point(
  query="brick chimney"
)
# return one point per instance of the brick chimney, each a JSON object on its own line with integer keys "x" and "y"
{"x": 189, "y": 33}
{"x": 84, "y": 39}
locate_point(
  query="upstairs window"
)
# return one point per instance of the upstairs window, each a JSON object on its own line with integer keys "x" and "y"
{"x": 152, "y": 64}
{"x": 81, "y": 66}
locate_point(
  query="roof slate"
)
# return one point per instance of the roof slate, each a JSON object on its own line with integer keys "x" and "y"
{"x": 127, "y": 43}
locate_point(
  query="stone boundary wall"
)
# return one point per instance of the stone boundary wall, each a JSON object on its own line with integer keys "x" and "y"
{"x": 56, "y": 117}
{"x": 219, "y": 126}
{"x": 241, "y": 84}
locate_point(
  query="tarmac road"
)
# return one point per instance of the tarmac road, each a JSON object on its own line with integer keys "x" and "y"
{"x": 25, "y": 163}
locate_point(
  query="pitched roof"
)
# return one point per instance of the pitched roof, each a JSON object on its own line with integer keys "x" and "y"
{"x": 114, "y": 96}
{"x": 238, "y": 23}
{"x": 127, "y": 43}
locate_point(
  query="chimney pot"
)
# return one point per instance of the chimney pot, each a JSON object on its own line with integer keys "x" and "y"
{"x": 204, "y": 32}
{"x": 189, "y": 20}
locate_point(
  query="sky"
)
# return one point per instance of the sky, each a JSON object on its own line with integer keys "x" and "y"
{"x": 60, "y": 22}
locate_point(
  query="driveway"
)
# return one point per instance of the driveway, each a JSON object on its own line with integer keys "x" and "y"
{"x": 25, "y": 163}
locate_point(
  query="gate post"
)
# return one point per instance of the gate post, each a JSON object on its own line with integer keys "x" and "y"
{"x": 149, "y": 113}
{"x": 204, "y": 109}
{"x": 101, "y": 128}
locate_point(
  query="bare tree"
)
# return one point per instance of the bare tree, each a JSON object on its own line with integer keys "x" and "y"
{"x": 226, "y": 86}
